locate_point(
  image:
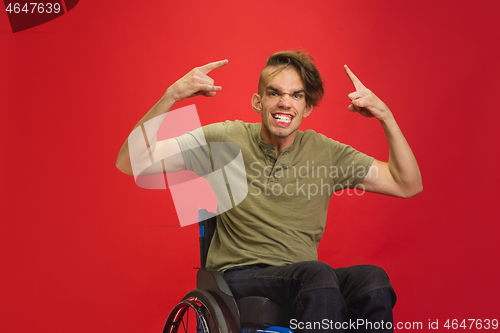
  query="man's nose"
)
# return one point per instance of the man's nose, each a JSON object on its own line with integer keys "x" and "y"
{"x": 285, "y": 100}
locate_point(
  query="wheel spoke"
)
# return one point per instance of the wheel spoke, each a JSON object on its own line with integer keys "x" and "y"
{"x": 182, "y": 321}
{"x": 207, "y": 316}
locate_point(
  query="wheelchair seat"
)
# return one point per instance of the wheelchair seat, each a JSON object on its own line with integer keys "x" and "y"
{"x": 256, "y": 311}
{"x": 213, "y": 306}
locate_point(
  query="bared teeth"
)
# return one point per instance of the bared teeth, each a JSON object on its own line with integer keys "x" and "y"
{"x": 282, "y": 118}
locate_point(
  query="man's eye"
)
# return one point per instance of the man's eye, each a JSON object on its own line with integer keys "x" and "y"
{"x": 273, "y": 94}
{"x": 297, "y": 96}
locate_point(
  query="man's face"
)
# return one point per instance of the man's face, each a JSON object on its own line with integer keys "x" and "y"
{"x": 282, "y": 104}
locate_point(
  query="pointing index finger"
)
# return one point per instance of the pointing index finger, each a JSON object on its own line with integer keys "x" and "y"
{"x": 213, "y": 65}
{"x": 354, "y": 79}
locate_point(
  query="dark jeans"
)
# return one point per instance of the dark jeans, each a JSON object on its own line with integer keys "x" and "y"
{"x": 320, "y": 298}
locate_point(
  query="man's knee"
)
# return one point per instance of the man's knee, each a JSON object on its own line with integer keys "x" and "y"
{"x": 363, "y": 274}
{"x": 361, "y": 279}
{"x": 374, "y": 274}
{"x": 318, "y": 275}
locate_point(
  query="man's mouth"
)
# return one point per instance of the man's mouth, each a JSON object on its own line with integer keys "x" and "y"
{"x": 283, "y": 118}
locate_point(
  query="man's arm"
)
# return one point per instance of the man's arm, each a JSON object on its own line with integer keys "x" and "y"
{"x": 194, "y": 83}
{"x": 400, "y": 176}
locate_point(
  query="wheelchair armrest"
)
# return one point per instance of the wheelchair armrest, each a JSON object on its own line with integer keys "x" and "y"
{"x": 213, "y": 282}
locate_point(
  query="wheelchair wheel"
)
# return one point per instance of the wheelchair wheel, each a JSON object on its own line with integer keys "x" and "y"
{"x": 197, "y": 312}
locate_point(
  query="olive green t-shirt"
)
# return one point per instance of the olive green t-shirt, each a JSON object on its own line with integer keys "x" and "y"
{"x": 283, "y": 216}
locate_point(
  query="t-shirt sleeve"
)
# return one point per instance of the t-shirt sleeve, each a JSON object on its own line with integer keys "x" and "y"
{"x": 196, "y": 150}
{"x": 349, "y": 166}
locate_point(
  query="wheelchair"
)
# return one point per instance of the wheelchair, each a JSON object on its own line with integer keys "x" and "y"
{"x": 211, "y": 308}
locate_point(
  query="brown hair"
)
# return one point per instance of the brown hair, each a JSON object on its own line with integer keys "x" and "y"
{"x": 302, "y": 62}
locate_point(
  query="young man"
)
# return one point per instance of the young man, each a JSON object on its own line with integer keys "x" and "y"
{"x": 267, "y": 244}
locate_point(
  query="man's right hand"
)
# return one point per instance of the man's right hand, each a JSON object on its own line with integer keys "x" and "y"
{"x": 195, "y": 83}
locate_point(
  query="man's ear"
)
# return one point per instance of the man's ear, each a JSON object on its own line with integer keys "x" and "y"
{"x": 308, "y": 110}
{"x": 256, "y": 105}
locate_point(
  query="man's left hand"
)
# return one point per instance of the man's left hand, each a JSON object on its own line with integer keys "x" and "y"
{"x": 364, "y": 101}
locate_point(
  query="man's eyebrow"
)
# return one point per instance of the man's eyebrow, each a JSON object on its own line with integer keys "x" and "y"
{"x": 270, "y": 87}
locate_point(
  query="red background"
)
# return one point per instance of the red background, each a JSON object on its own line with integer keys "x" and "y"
{"x": 83, "y": 249}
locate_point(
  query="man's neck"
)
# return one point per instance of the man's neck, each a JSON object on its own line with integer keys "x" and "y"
{"x": 279, "y": 143}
